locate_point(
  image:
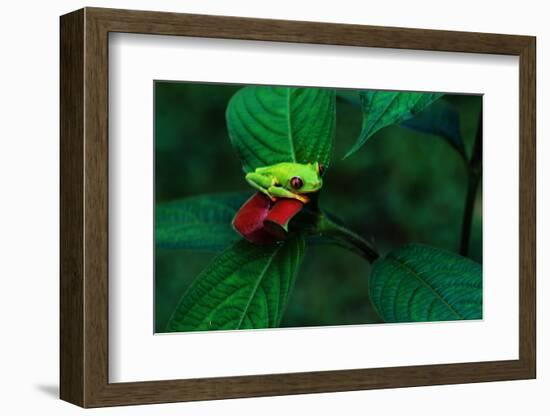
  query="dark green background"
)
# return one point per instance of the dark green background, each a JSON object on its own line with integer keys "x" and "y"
{"x": 402, "y": 186}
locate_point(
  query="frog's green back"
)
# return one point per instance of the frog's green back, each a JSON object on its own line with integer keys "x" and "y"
{"x": 285, "y": 171}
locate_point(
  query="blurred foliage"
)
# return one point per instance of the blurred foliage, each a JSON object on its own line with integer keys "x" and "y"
{"x": 402, "y": 186}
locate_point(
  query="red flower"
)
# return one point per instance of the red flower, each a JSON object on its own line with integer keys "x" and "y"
{"x": 263, "y": 221}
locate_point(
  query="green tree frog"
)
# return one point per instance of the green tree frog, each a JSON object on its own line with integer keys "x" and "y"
{"x": 287, "y": 180}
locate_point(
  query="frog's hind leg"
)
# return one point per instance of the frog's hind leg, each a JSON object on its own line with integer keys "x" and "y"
{"x": 260, "y": 182}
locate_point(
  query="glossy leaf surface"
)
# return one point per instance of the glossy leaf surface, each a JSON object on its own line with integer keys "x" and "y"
{"x": 269, "y": 125}
{"x": 384, "y": 108}
{"x": 417, "y": 283}
{"x": 247, "y": 286}
{"x": 200, "y": 222}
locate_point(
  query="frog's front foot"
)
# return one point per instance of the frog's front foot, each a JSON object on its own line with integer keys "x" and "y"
{"x": 302, "y": 198}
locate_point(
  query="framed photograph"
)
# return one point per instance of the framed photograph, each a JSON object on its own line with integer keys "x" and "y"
{"x": 257, "y": 207}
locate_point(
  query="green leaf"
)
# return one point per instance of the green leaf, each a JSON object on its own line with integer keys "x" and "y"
{"x": 416, "y": 283}
{"x": 200, "y": 222}
{"x": 247, "y": 286}
{"x": 384, "y": 108}
{"x": 269, "y": 125}
{"x": 441, "y": 120}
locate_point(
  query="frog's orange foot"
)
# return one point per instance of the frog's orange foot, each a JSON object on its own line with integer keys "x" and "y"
{"x": 303, "y": 199}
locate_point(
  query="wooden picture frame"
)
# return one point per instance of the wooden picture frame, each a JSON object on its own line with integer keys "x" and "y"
{"x": 84, "y": 207}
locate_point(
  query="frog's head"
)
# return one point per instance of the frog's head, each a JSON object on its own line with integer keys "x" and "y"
{"x": 306, "y": 178}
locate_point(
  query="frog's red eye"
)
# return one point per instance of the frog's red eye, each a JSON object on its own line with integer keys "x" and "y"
{"x": 321, "y": 169}
{"x": 296, "y": 182}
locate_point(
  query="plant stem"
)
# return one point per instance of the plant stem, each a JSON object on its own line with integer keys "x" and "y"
{"x": 474, "y": 177}
{"x": 351, "y": 239}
